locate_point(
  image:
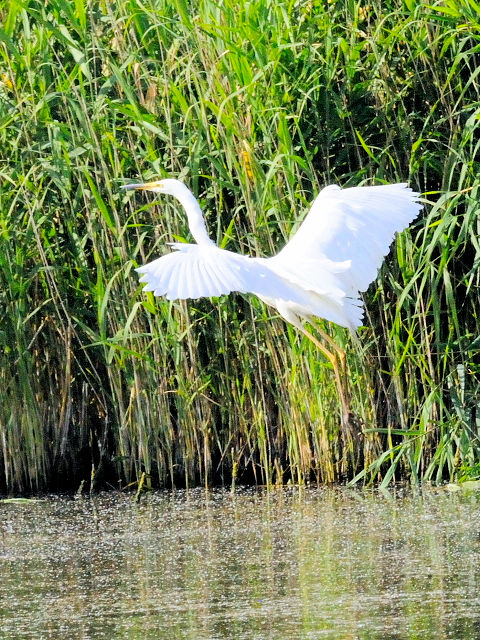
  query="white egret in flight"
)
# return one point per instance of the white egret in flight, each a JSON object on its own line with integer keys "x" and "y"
{"x": 334, "y": 255}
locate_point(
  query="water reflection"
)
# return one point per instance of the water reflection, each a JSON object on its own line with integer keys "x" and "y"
{"x": 286, "y": 564}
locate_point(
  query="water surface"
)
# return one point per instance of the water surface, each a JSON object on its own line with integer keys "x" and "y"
{"x": 291, "y": 563}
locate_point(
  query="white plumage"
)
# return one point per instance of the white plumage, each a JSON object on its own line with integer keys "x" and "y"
{"x": 333, "y": 256}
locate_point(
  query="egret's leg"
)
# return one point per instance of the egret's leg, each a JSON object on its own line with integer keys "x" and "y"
{"x": 339, "y": 372}
{"x": 338, "y": 355}
{"x": 334, "y": 346}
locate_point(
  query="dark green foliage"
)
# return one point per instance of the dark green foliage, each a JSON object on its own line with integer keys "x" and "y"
{"x": 256, "y": 105}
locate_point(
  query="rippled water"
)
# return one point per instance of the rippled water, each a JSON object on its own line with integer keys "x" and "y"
{"x": 288, "y": 564}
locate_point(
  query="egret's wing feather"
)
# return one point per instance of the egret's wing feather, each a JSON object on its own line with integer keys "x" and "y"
{"x": 195, "y": 271}
{"x": 354, "y": 227}
{"x": 181, "y": 275}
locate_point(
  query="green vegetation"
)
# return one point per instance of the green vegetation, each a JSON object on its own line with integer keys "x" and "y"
{"x": 256, "y": 105}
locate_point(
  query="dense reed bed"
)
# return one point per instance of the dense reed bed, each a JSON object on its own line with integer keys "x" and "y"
{"x": 256, "y": 106}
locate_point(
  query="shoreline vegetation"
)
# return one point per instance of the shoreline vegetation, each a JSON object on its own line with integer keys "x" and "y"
{"x": 256, "y": 106}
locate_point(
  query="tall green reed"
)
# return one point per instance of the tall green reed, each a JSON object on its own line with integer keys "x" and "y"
{"x": 256, "y": 106}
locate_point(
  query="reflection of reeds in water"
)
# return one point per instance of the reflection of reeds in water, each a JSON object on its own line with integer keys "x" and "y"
{"x": 255, "y": 108}
{"x": 285, "y": 563}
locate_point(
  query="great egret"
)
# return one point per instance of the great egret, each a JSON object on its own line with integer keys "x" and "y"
{"x": 334, "y": 255}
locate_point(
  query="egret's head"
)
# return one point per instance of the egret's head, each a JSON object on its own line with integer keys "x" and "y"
{"x": 167, "y": 185}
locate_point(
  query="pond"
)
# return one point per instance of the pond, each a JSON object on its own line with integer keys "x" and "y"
{"x": 289, "y": 563}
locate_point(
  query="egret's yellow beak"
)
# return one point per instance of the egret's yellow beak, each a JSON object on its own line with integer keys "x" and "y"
{"x": 143, "y": 186}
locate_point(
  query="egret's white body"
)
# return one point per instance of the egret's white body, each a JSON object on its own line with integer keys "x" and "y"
{"x": 334, "y": 255}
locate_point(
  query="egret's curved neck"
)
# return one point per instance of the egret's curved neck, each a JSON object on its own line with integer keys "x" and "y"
{"x": 196, "y": 221}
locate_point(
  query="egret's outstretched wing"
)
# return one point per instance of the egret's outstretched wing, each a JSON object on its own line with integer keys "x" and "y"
{"x": 355, "y": 226}
{"x": 196, "y": 271}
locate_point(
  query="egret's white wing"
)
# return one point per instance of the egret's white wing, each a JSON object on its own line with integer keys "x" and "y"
{"x": 352, "y": 226}
{"x": 195, "y": 271}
